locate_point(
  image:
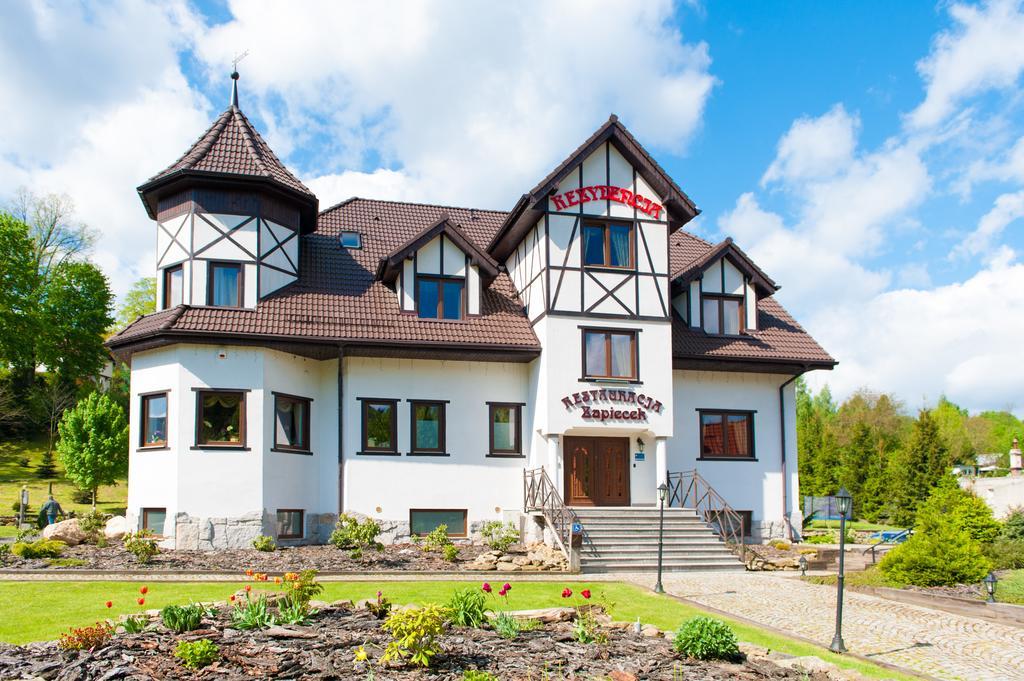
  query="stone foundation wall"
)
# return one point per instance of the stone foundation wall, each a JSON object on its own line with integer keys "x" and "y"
{"x": 207, "y": 534}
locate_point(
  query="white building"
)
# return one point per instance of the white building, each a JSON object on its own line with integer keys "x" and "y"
{"x": 410, "y": 362}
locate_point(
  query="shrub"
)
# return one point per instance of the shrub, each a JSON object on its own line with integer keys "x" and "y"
{"x": 436, "y": 539}
{"x": 92, "y": 523}
{"x": 66, "y": 562}
{"x": 506, "y": 626}
{"x": 264, "y": 543}
{"x": 5, "y": 552}
{"x": 86, "y": 638}
{"x": 499, "y": 536}
{"x": 975, "y": 516}
{"x": 414, "y": 634}
{"x": 182, "y": 618}
{"x": 477, "y": 675}
{"x": 381, "y": 607}
{"x": 467, "y": 608}
{"x": 40, "y": 548}
{"x": 819, "y": 539}
{"x": 351, "y": 533}
{"x": 451, "y": 553}
{"x": 705, "y": 638}
{"x": 197, "y": 654}
{"x": 1006, "y": 554}
{"x": 142, "y": 545}
{"x": 1013, "y": 526}
{"x": 780, "y": 545}
{"x": 16, "y": 507}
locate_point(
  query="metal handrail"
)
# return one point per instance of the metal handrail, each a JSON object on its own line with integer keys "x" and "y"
{"x": 540, "y": 494}
{"x": 891, "y": 540}
{"x": 687, "y": 489}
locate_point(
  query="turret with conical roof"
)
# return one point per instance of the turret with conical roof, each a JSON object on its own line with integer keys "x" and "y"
{"x": 229, "y": 216}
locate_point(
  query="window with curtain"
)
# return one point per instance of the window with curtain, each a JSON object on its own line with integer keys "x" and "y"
{"x": 225, "y": 284}
{"x": 220, "y": 418}
{"x": 723, "y": 314}
{"x": 427, "y": 427}
{"x": 379, "y": 426}
{"x": 174, "y": 286}
{"x": 290, "y": 522}
{"x": 609, "y": 354}
{"x": 439, "y": 298}
{"x": 505, "y": 429}
{"x": 608, "y": 244}
{"x": 154, "y": 420}
{"x": 727, "y": 434}
{"x": 291, "y": 423}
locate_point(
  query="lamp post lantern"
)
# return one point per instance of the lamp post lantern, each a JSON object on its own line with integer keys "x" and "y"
{"x": 844, "y": 502}
{"x": 662, "y": 494}
{"x": 990, "y": 586}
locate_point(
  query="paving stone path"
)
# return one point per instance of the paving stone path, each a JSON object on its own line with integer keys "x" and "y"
{"x": 932, "y": 642}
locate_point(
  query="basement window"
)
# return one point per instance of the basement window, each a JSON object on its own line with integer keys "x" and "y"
{"x": 423, "y": 521}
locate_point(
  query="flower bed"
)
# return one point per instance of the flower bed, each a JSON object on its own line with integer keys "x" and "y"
{"x": 345, "y": 640}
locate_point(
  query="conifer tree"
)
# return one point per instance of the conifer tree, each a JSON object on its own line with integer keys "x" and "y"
{"x": 916, "y": 468}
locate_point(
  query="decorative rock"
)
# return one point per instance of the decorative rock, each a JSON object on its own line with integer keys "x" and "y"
{"x": 281, "y": 632}
{"x": 520, "y": 560}
{"x": 66, "y": 531}
{"x": 116, "y": 527}
{"x": 506, "y": 567}
{"x": 650, "y": 631}
{"x": 619, "y": 675}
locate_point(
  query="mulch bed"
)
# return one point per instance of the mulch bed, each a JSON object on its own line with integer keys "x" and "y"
{"x": 325, "y": 558}
{"x": 325, "y": 650}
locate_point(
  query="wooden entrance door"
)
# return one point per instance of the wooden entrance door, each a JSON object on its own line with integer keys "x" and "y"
{"x": 596, "y": 471}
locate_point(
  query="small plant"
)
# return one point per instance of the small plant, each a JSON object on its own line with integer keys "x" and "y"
{"x": 26, "y": 535}
{"x": 451, "y": 553}
{"x": 135, "y": 624}
{"x": 780, "y": 545}
{"x": 381, "y": 607}
{"x": 40, "y": 548}
{"x": 351, "y": 533}
{"x": 356, "y": 554}
{"x": 704, "y": 638}
{"x": 467, "y": 608}
{"x": 5, "y": 553}
{"x": 142, "y": 545}
{"x": 499, "y": 536}
{"x": 264, "y": 543}
{"x": 182, "y": 618}
{"x": 86, "y": 638}
{"x": 197, "y": 654}
{"x": 414, "y": 633}
{"x": 1013, "y": 525}
{"x": 506, "y": 626}
{"x": 253, "y": 613}
{"x": 92, "y": 523}
{"x": 477, "y": 675}
{"x": 16, "y": 507}
{"x": 436, "y": 539}
{"x": 66, "y": 562}
{"x": 585, "y": 628}
{"x": 1006, "y": 554}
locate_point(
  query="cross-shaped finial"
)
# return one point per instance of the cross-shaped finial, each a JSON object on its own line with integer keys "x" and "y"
{"x": 238, "y": 58}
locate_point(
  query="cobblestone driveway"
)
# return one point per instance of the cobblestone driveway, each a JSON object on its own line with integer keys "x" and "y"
{"x": 936, "y": 643}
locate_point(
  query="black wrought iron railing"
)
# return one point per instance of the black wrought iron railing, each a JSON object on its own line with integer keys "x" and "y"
{"x": 540, "y": 494}
{"x": 687, "y": 489}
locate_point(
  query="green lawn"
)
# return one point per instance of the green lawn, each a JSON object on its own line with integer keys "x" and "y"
{"x": 855, "y": 525}
{"x": 57, "y": 605}
{"x": 111, "y": 499}
{"x": 1010, "y": 588}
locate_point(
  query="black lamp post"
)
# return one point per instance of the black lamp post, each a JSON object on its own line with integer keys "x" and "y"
{"x": 803, "y": 565}
{"x": 662, "y": 493}
{"x": 990, "y": 586}
{"x": 844, "y": 502}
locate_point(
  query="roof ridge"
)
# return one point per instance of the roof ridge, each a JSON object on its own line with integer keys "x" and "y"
{"x": 414, "y": 203}
{"x": 249, "y": 141}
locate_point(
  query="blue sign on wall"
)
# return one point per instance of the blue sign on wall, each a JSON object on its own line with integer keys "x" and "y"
{"x": 638, "y": 456}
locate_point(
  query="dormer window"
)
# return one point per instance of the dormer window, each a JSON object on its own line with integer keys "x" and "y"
{"x": 608, "y": 244}
{"x": 723, "y": 314}
{"x": 440, "y": 297}
{"x": 351, "y": 240}
{"x": 225, "y": 284}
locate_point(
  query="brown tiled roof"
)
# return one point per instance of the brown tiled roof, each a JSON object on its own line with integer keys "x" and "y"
{"x": 696, "y": 268}
{"x": 233, "y": 146}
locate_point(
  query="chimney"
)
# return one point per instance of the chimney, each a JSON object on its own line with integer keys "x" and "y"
{"x": 1015, "y": 459}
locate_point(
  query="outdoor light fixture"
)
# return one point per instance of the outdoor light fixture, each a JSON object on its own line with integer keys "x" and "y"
{"x": 803, "y": 566}
{"x": 640, "y": 445}
{"x": 990, "y": 586}
{"x": 844, "y": 502}
{"x": 662, "y": 494}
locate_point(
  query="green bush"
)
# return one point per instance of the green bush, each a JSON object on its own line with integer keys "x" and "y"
{"x": 1006, "y": 554}
{"x": 16, "y": 507}
{"x": 467, "y": 608}
{"x": 40, "y": 548}
{"x": 92, "y": 523}
{"x": 975, "y": 516}
{"x": 477, "y": 675}
{"x": 704, "y": 638}
{"x": 436, "y": 539}
{"x": 351, "y": 533}
{"x": 820, "y": 539}
{"x": 506, "y": 626}
{"x": 264, "y": 543}
{"x": 182, "y": 618}
{"x": 499, "y": 536}
{"x": 451, "y": 553}
{"x": 197, "y": 654}
{"x": 414, "y": 633}
{"x": 142, "y": 545}
{"x": 66, "y": 562}
{"x": 1013, "y": 525}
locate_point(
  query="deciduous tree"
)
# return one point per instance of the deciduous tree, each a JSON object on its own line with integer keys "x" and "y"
{"x": 93, "y": 443}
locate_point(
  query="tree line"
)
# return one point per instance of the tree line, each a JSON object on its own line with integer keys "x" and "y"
{"x": 886, "y": 458}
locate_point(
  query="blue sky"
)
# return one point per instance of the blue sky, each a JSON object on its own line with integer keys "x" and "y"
{"x": 869, "y": 156}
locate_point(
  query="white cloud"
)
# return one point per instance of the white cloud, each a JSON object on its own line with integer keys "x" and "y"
{"x": 385, "y": 184}
{"x": 984, "y": 51}
{"x": 815, "y": 147}
{"x": 1007, "y": 209}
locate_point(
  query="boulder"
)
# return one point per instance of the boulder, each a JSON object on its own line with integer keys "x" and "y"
{"x": 650, "y": 631}
{"x": 116, "y": 527}
{"x": 66, "y": 531}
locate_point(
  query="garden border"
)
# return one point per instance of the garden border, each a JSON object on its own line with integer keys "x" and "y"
{"x": 1000, "y": 613}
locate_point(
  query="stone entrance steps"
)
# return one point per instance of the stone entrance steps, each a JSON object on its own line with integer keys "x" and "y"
{"x": 626, "y": 540}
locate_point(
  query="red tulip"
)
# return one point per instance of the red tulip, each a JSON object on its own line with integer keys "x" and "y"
{"x": 248, "y": 588}
{"x": 506, "y": 587}
{"x": 231, "y": 598}
{"x": 142, "y": 601}
{"x": 566, "y": 592}
{"x": 110, "y": 604}
{"x": 248, "y": 573}
{"x": 144, "y": 590}
{"x": 585, "y": 593}
{"x": 486, "y": 587}
{"x": 502, "y": 593}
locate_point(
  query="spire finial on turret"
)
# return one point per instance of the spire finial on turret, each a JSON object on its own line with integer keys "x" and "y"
{"x": 234, "y": 77}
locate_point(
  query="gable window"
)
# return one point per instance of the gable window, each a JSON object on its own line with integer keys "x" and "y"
{"x": 726, "y": 434}
{"x": 427, "y": 427}
{"x": 506, "y": 428}
{"x": 439, "y": 298}
{"x": 290, "y": 523}
{"x": 220, "y": 418}
{"x": 154, "y": 420}
{"x": 351, "y": 240}
{"x": 174, "y": 286}
{"x": 291, "y": 423}
{"x": 153, "y": 519}
{"x": 380, "y": 431}
{"x": 608, "y": 244}
{"x": 225, "y": 284}
{"x": 723, "y": 314}
{"x": 609, "y": 354}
